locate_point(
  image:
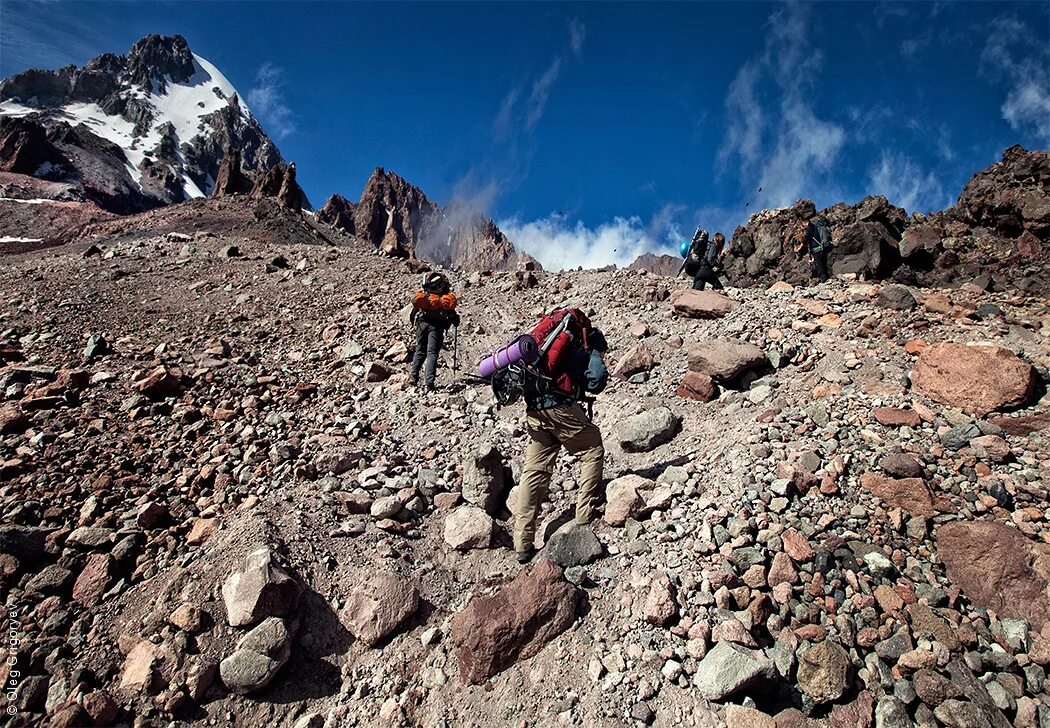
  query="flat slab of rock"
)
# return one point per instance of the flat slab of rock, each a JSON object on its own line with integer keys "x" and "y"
{"x": 379, "y": 606}
{"x": 911, "y": 494}
{"x": 494, "y": 632}
{"x": 725, "y": 360}
{"x": 702, "y": 304}
{"x": 728, "y": 669}
{"x": 999, "y": 568}
{"x": 976, "y": 379}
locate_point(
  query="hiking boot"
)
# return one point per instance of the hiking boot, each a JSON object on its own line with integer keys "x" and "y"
{"x": 525, "y": 557}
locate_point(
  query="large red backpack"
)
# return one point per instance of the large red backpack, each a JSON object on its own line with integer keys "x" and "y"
{"x": 557, "y": 333}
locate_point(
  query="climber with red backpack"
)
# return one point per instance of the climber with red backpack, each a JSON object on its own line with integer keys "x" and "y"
{"x": 433, "y": 313}
{"x": 554, "y": 368}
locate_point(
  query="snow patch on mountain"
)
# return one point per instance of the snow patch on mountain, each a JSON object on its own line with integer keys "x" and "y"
{"x": 184, "y": 105}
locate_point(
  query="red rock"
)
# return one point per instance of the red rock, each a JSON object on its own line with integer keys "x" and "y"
{"x": 782, "y": 571}
{"x": 702, "y": 304}
{"x": 100, "y": 708}
{"x": 992, "y": 447}
{"x": 915, "y": 346}
{"x": 446, "y": 501}
{"x": 889, "y": 600}
{"x": 494, "y": 632}
{"x": 159, "y": 383}
{"x": 858, "y": 714}
{"x": 697, "y": 386}
{"x": 638, "y": 360}
{"x": 377, "y": 371}
{"x": 811, "y": 633}
{"x": 202, "y": 530}
{"x": 796, "y": 546}
{"x": 911, "y": 494}
{"x": 13, "y": 420}
{"x": 1020, "y": 426}
{"x": 94, "y": 580}
{"x": 977, "y": 379}
{"x": 896, "y": 417}
{"x": 998, "y": 568}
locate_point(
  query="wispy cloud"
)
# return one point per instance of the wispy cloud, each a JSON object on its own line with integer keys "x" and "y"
{"x": 45, "y": 35}
{"x": 1015, "y": 55}
{"x": 905, "y": 183}
{"x": 266, "y": 99}
{"x": 775, "y": 133}
{"x": 523, "y": 106}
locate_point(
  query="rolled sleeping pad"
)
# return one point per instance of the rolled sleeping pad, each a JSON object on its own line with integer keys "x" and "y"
{"x": 524, "y": 348}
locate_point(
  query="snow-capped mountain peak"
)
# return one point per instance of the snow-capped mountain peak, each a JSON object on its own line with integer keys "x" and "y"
{"x": 171, "y": 113}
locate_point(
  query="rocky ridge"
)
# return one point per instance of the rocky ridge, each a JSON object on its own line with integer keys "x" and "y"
{"x": 220, "y": 498}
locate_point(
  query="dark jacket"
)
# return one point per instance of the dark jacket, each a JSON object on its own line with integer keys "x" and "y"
{"x": 588, "y": 372}
{"x": 442, "y": 319}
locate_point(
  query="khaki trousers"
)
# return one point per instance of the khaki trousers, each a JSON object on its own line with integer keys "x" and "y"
{"x": 565, "y": 426}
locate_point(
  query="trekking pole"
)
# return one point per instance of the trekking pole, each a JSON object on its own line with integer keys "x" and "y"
{"x": 455, "y": 352}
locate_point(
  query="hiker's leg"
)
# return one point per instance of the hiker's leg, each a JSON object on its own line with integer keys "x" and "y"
{"x": 715, "y": 283}
{"x": 821, "y": 261}
{"x": 422, "y": 335}
{"x": 698, "y": 282}
{"x": 535, "y": 480}
{"x": 584, "y": 439}
{"x": 434, "y": 343}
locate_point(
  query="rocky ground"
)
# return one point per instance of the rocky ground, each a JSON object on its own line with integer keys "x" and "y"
{"x": 222, "y": 503}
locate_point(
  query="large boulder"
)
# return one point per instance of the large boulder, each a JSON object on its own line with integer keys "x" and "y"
{"x": 485, "y": 479}
{"x": 259, "y": 589}
{"x": 726, "y": 361}
{"x": 378, "y": 607}
{"x": 998, "y": 567}
{"x": 494, "y": 632}
{"x": 977, "y": 379}
{"x": 648, "y": 430}
{"x": 702, "y": 304}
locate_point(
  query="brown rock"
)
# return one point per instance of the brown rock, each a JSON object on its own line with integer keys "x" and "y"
{"x": 101, "y": 708}
{"x": 896, "y": 417}
{"x": 379, "y": 606}
{"x": 977, "y": 379}
{"x": 889, "y": 600}
{"x": 911, "y": 494}
{"x": 13, "y": 420}
{"x": 202, "y": 530}
{"x": 992, "y": 447}
{"x": 725, "y": 360}
{"x": 494, "y": 632}
{"x": 139, "y": 675}
{"x": 623, "y": 500}
{"x": 738, "y": 716}
{"x": 900, "y": 465}
{"x": 796, "y": 546}
{"x": 702, "y": 304}
{"x": 660, "y": 607}
{"x": 638, "y": 360}
{"x": 697, "y": 386}
{"x": 998, "y": 567}
{"x": 934, "y": 689}
{"x": 94, "y": 580}
{"x": 1020, "y": 426}
{"x": 858, "y": 714}
{"x": 160, "y": 382}
{"x": 781, "y": 570}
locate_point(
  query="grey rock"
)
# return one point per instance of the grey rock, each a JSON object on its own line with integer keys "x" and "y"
{"x": 890, "y": 712}
{"x": 573, "y": 545}
{"x": 959, "y": 437}
{"x": 485, "y": 479}
{"x": 727, "y": 669}
{"x": 259, "y": 589}
{"x": 648, "y": 430}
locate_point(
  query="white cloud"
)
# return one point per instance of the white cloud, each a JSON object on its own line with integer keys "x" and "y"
{"x": 1015, "y": 55}
{"x": 775, "y": 130}
{"x": 541, "y": 91}
{"x": 906, "y": 184}
{"x": 560, "y": 245}
{"x": 577, "y": 34}
{"x": 266, "y": 98}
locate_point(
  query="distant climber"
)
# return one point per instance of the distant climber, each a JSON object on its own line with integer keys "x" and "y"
{"x": 553, "y": 368}
{"x": 433, "y": 313}
{"x": 702, "y": 259}
{"x": 817, "y": 241}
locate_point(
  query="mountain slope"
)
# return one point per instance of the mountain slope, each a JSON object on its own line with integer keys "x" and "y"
{"x": 135, "y": 131}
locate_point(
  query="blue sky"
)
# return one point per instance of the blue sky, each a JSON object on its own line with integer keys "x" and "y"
{"x": 585, "y": 129}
